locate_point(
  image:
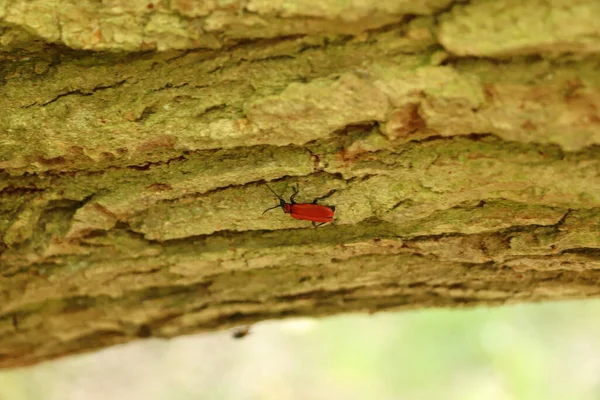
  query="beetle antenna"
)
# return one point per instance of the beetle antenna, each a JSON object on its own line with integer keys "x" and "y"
{"x": 272, "y": 208}
{"x": 279, "y": 197}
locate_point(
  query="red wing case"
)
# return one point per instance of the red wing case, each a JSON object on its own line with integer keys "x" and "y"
{"x": 312, "y": 212}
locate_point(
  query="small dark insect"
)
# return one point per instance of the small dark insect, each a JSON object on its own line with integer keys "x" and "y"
{"x": 241, "y": 332}
{"x": 304, "y": 211}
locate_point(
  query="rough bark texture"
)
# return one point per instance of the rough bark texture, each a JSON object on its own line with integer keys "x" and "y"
{"x": 459, "y": 142}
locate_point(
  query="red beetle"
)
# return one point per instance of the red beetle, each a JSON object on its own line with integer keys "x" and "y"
{"x": 305, "y": 211}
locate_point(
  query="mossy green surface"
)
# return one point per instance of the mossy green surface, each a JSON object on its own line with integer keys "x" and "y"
{"x": 139, "y": 178}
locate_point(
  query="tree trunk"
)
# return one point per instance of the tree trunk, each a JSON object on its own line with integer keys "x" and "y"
{"x": 459, "y": 143}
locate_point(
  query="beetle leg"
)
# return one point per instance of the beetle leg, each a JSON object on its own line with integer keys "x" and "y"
{"x": 316, "y": 226}
{"x": 294, "y": 194}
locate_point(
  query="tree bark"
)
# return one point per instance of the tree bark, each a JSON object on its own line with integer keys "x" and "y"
{"x": 459, "y": 143}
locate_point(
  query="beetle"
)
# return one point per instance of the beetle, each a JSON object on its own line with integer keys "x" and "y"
{"x": 241, "y": 332}
{"x": 305, "y": 211}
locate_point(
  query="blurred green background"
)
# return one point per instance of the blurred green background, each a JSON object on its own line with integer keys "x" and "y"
{"x": 533, "y": 351}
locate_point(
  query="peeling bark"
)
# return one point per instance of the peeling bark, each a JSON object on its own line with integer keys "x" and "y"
{"x": 459, "y": 142}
